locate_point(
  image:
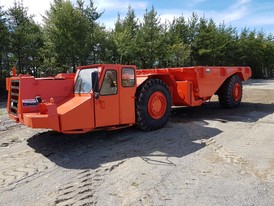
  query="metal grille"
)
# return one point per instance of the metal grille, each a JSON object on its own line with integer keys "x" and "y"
{"x": 14, "y": 96}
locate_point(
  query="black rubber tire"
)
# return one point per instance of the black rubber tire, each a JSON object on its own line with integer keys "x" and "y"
{"x": 225, "y": 92}
{"x": 143, "y": 119}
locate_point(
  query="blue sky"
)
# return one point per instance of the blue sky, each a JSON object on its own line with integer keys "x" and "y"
{"x": 258, "y": 14}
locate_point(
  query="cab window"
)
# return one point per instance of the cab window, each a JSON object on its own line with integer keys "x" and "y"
{"x": 128, "y": 77}
{"x": 83, "y": 82}
{"x": 109, "y": 86}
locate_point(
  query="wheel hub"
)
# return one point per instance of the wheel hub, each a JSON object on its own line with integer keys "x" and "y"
{"x": 157, "y": 105}
{"x": 237, "y": 92}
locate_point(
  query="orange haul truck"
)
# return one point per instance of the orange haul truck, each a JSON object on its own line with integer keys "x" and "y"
{"x": 109, "y": 96}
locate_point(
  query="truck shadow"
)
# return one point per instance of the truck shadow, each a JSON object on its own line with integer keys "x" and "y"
{"x": 246, "y": 112}
{"x": 182, "y": 136}
{"x": 89, "y": 151}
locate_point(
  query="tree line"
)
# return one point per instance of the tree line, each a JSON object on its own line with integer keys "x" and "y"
{"x": 71, "y": 36}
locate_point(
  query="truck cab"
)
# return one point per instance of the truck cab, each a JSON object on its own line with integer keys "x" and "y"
{"x": 97, "y": 96}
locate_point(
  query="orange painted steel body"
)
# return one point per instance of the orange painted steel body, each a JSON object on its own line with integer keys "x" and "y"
{"x": 66, "y": 111}
{"x": 191, "y": 86}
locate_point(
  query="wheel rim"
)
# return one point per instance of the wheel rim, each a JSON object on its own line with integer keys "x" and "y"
{"x": 157, "y": 105}
{"x": 237, "y": 92}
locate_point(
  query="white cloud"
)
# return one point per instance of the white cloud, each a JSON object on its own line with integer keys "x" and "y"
{"x": 240, "y": 3}
{"x": 235, "y": 12}
{"x": 169, "y": 15}
{"x": 34, "y": 7}
{"x": 119, "y": 5}
{"x": 262, "y": 21}
{"x": 112, "y": 7}
{"x": 195, "y": 2}
{"x": 241, "y": 13}
{"x": 108, "y": 23}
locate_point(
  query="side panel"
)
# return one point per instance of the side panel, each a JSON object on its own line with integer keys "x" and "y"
{"x": 205, "y": 80}
{"x": 7, "y": 84}
{"x": 107, "y": 111}
{"x": 107, "y": 105}
{"x": 58, "y": 89}
{"x": 127, "y": 96}
{"x": 127, "y": 106}
{"x": 76, "y": 114}
{"x": 182, "y": 93}
{"x": 211, "y": 78}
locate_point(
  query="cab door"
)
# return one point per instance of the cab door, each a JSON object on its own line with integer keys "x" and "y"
{"x": 107, "y": 105}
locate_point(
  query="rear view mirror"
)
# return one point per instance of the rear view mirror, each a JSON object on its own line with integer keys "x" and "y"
{"x": 95, "y": 82}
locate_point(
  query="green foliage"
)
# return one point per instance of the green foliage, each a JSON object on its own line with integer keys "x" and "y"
{"x": 124, "y": 38}
{"x": 25, "y": 39}
{"x": 4, "y": 43}
{"x": 149, "y": 40}
{"x": 101, "y": 51}
{"x": 71, "y": 36}
{"x": 268, "y": 57}
{"x": 66, "y": 33}
{"x": 178, "y": 47}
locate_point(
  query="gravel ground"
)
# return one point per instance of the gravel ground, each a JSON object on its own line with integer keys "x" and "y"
{"x": 204, "y": 156}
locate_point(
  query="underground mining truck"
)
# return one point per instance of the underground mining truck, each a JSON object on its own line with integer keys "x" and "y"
{"x": 110, "y": 96}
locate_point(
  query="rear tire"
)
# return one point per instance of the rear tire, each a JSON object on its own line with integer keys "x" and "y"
{"x": 153, "y": 105}
{"x": 230, "y": 93}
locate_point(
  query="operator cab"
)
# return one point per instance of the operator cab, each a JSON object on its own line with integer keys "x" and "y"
{"x": 112, "y": 88}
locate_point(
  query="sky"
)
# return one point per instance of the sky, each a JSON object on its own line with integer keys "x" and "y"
{"x": 253, "y": 14}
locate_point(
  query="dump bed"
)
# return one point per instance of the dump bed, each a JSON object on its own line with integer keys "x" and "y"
{"x": 192, "y": 85}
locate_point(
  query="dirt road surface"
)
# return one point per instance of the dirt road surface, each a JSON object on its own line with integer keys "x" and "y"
{"x": 204, "y": 156}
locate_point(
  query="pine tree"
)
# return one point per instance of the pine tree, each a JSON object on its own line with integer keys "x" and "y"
{"x": 4, "y": 43}
{"x": 124, "y": 37}
{"x": 149, "y": 40}
{"x": 26, "y": 39}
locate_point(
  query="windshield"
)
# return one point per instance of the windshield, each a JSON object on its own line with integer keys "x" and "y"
{"x": 83, "y": 82}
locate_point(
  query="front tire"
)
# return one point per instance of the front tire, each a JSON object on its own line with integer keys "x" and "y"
{"x": 153, "y": 105}
{"x": 230, "y": 93}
